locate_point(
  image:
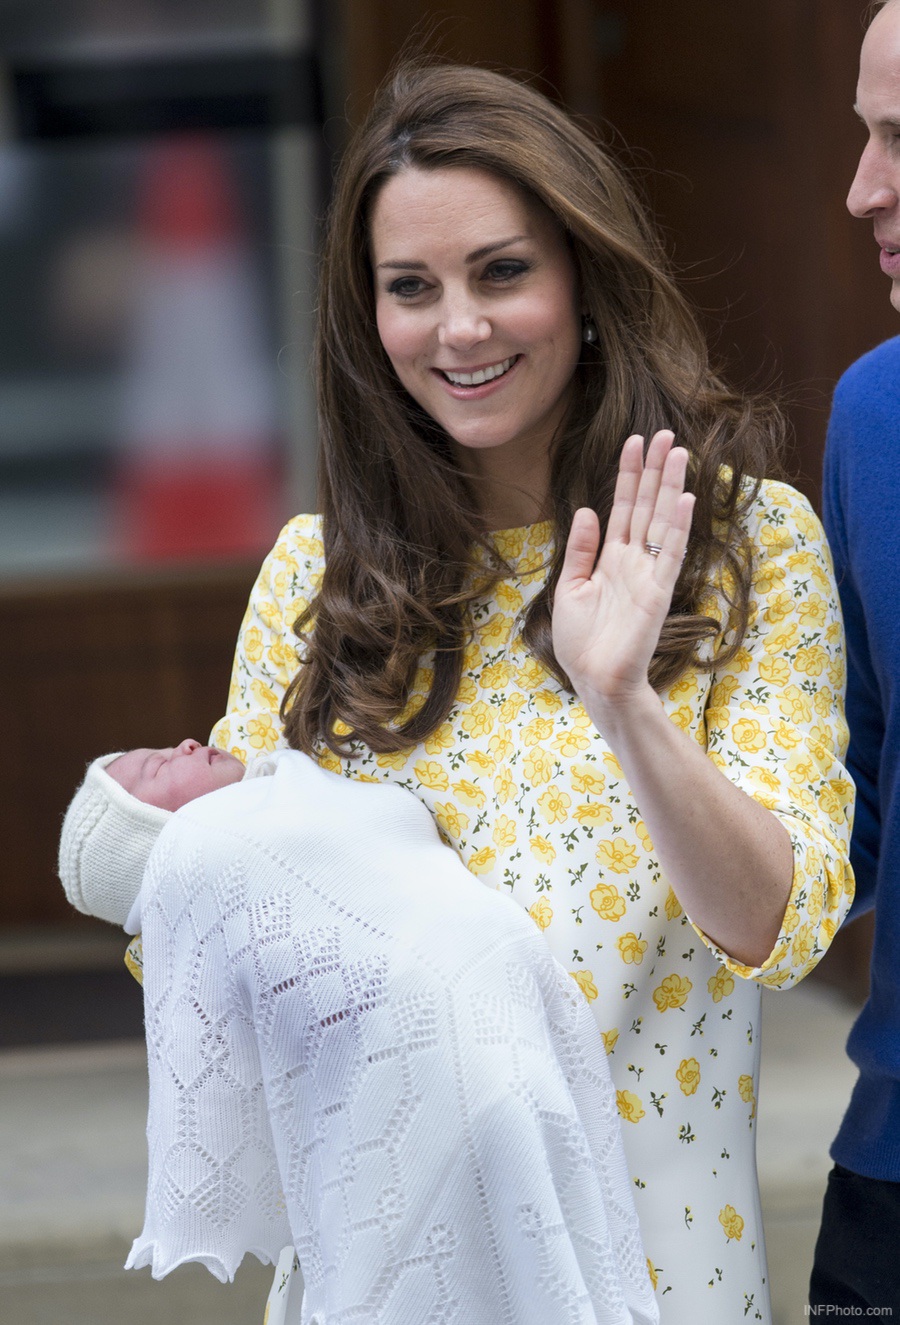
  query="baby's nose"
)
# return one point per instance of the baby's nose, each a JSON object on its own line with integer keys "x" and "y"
{"x": 188, "y": 746}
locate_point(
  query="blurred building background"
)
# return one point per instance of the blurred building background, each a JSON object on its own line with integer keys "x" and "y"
{"x": 163, "y": 168}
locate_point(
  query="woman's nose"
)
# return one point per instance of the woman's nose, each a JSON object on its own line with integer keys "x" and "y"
{"x": 463, "y": 324}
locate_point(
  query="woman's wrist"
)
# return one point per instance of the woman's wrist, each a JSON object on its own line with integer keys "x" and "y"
{"x": 619, "y": 717}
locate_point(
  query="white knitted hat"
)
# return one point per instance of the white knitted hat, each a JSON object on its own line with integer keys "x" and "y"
{"x": 106, "y": 840}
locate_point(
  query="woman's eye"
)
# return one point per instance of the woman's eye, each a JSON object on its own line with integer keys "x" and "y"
{"x": 406, "y": 287}
{"x": 506, "y": 269}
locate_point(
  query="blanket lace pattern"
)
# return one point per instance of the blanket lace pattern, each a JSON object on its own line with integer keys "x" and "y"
{"x": 412, "y": 1093}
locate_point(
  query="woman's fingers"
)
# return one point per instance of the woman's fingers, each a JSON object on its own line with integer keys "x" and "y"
{"x": 670, "y": 489}
{"x": 674, "y": 542}
{"x": 649, "y": 488}
{"x": 581, "y": 548}
{"x": 631, "y": 469}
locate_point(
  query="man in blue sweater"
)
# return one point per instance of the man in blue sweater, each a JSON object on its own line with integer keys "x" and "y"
{"x": 857, "y": 1263}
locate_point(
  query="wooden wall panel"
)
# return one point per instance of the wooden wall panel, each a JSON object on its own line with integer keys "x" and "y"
{"x": 94, "y": 667}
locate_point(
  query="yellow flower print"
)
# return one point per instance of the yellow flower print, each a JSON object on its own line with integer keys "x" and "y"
{"x": 508, "y": 596}
{"x": 511, "y": 707}
{"x": 721, "y": 693}
{"x": 791, "y": 918}
{"x": 832, "y": 803}
{"x": 431, "y": 774}
{"x": 532, "y": 675}
{"x": 531, "y": 565}
{"x": 688, "y": 1076}
{"x": 585, "y": 982}
{"x": 780, "y": 640}
{"x": 504, "y": 786}
{"x": 731, "y": 1223}
{"x": 815, "y": 900}
{"x": 631, "y": 948}
{"x": 801, "y": 770}
{"x": 495, "y": 631}
{"x": 500, "y": 744}
{"x": 720, "y": 985}
{"x": 777, "y": 671}
{"x": 642, "y": 835}
{"x": 542, "y": 849}
{"x": 610, "y": 1040}
{"x": 748, "y": 735}
{"x": 683, "y": 717}
{"x": 410, "y": 709}
{"x": 538, "y": 766}
{"x": 617, "y": 855}
{"x": 631, "y": 1110}
{"x": 811, "y": 661}
{"x": 829, "y": 928}
{"x": 795, "y": 705}
{"x": 328, "y": 759}
{"x": 547, "y": 701}
{"x": 483, "y": 861}
{"x": 837, "y": 672}
{"x": 222, "y": 737}
{"x": 453, "y": 820}
{"x": 802, "y": 946}
{"x": 613, "y": 766}
{"x": 468, "y": 793}
{"x": 764, "y": 777}
{"x": 823, "y": 701}
{"x": 283, "y": 657}
{"x": 672, "y": 993}
{"x": 537, "y": 731}
{"x": 813, "y": 610}
{"x": 253, "y": 643}
{"x": 269, "y": 614}
{"x": 608, "y": 902}
{"x": 264, "y": 695}
{"x": 745, "y": 1090}
{"x": 779, "y": 606}
{"x": 504, "y": 833}
{"x": 280, "y": 582}
{"x": 478, "y": 759}
{"x": 571, "y": 742}
{"x": 295, "y": 609}
{"x": 262, "y": 733}
{"x": 587, "y": 779}
{"x": 651, "y": 1270}
{"x": 554, "y": 805}
{"x": 392, "y": 759}
{"x": 442, "y": 739}
{"x": 509, "y": 542}
{"x": 743, "y": 659}
{"x": 786, "y": 736}
{"x": 467, "y": 691}
{"x": 776, "y": 538}
{"x": 769, "y": 576}
{"x": 541, "y": 913}
{"x": 496, "y": 676}
{"x": 472, "y": 656}
{"x": 478, "y": 720}
{"x": 674, "y": 908}
{"x": 593, "y": 814}
{"x": 684, "y": 688}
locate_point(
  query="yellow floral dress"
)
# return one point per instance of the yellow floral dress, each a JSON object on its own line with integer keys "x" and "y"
{"x": 526, "y": 790}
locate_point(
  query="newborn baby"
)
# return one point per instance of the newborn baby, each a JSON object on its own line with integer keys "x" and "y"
{"x": 356, "y": 1048}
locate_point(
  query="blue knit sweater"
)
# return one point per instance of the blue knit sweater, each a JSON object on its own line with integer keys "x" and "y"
{"x": 862, "y": 519}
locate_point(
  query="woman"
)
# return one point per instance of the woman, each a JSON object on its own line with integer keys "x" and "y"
{"x": 643, "y": 747}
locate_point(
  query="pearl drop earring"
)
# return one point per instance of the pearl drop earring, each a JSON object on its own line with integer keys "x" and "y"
{"x": 588, "y": 330}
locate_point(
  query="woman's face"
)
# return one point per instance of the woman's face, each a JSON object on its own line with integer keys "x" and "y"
{"x": 476, "y": 298}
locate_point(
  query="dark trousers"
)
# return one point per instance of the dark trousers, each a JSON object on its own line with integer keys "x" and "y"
{"x": 857, "y": 1261}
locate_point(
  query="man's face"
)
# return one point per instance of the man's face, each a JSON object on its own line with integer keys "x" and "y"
{"x": 875, "y": 192}
{"x": 170, "y": 778}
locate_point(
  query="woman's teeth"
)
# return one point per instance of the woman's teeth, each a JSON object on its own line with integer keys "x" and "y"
{"x": 483, "y": 374}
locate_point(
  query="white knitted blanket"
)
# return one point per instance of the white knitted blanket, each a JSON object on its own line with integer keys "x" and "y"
{"x": 357, "y": 1048}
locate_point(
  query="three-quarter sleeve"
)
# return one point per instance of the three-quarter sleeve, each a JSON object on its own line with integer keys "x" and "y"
{"x": 775, "y": 725}
{"x": 266, "y": 656}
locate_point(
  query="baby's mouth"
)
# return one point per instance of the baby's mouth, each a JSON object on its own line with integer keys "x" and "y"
{"x": 482, "y": 375}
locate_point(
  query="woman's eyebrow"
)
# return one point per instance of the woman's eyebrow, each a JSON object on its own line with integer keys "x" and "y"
{"x": 398, "y": 264}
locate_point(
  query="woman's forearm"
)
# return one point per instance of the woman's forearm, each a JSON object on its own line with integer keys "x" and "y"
{"x": 728, "y": 859}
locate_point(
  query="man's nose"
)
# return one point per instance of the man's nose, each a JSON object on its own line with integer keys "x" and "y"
{"x": 872, "y": 190}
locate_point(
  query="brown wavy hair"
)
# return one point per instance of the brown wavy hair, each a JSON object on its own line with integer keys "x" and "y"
{"x": 406, "y": 550}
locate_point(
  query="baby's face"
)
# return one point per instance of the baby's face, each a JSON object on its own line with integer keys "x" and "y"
{"x": 170, "y": 778}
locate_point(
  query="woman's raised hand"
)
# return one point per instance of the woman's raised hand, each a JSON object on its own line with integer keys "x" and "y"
{"x": 608, "y": 611}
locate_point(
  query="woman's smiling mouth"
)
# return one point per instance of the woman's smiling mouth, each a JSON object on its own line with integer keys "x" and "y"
{"x": 480, "y": 375}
